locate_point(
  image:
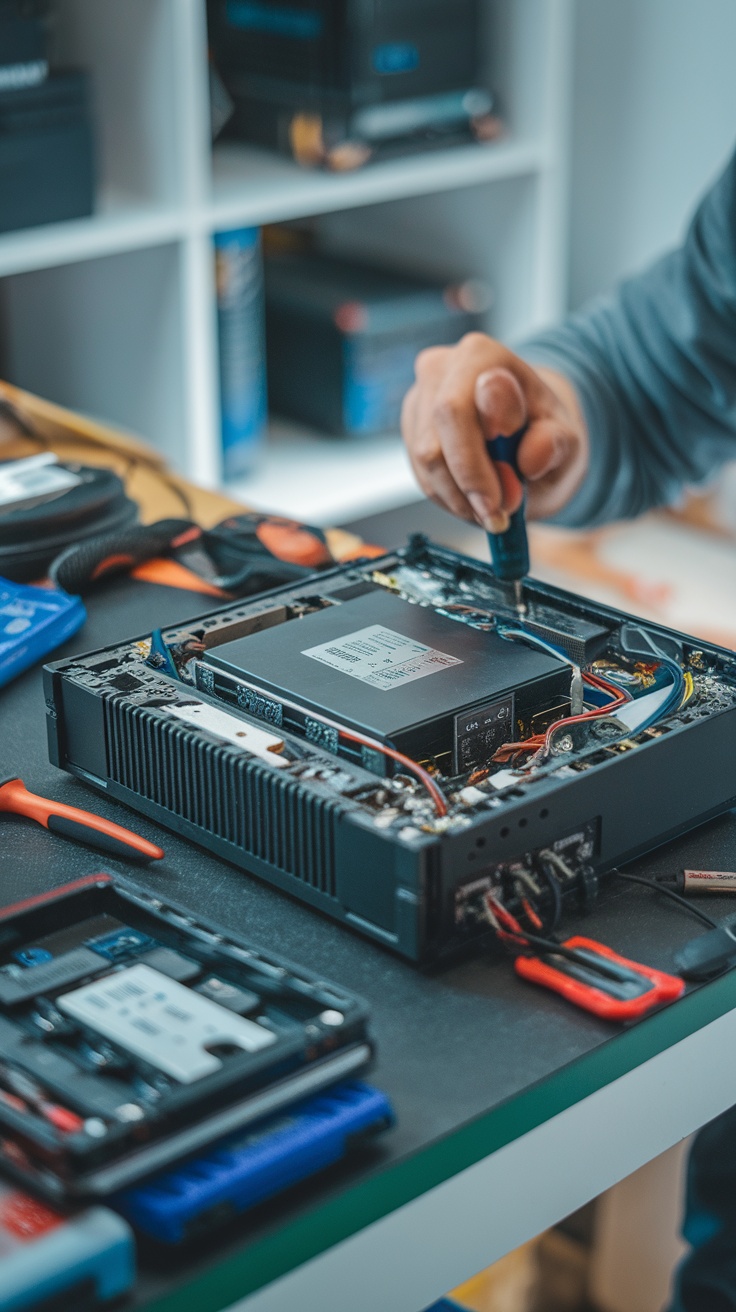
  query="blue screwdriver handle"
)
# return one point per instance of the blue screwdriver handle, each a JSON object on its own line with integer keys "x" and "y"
{"x": 510, "y": 550}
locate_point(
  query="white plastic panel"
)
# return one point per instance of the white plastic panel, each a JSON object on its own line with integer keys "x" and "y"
{"x": 129, "y": 46}
{"x": 169, "y": 1026}
{"x": 104, "y": 337}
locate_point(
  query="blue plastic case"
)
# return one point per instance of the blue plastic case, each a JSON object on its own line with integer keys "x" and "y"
{"x": 33, "y": 622}
{"x": 249, "y": 1167}
{"x": 46, "y": 1257}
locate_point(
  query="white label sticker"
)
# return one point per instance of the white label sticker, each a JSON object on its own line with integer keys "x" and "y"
{"x": 160, "y": 1020}
{"x": 381, "y": 657}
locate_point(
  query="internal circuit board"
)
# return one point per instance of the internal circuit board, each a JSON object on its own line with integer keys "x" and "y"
{"x": 396, "y": 724}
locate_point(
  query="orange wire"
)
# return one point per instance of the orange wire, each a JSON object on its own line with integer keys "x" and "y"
{"x": 531, "y": 913}
{"x": 544, "y": 740}
{"x": 424, "y": 777}
{"x": 620, "y": 698}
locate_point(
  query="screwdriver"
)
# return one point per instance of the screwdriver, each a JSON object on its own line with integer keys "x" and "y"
{"x": 71, "y": 822}
{"x": 510, "y": 550}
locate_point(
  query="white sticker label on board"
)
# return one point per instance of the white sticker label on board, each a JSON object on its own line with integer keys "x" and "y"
{"x": 381, "y": 657}
{"x": 171, "y": 1027}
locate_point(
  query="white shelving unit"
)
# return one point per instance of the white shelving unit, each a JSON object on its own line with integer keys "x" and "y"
{"x": 115, "y": 315}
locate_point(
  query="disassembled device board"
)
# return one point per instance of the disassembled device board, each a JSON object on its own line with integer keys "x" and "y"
{"x": 134, "y": 1034}
{"x": 393, "y": 744}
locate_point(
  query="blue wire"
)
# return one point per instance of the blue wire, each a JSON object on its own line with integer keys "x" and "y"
{"x": 673, "y": 701}
{"x": 670, "y": 703}
{"x": 159, "y": 648}
{"x": 505, "y": 632}
{"x": 592, "y": 694}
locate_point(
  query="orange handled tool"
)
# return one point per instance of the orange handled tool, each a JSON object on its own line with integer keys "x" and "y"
{"x": 70, "y": 822}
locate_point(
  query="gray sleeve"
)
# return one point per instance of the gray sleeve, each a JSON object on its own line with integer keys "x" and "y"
{"x": 655, "y": 369}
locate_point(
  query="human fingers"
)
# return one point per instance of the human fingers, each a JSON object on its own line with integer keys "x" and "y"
{"x": 454, "y": 422}
{"x": 427, "y": 460}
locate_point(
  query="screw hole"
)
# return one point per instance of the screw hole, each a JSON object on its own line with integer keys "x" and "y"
{"x": 522, "y": 822}
{"x": 505, "y": 831}
{"x": 544, "y": 813}
{"x": 480, "y": 842}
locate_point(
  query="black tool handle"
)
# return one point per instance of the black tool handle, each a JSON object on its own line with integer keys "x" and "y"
{"x": 707, "y": 955}
{"x": 510, "y": 550}
{"x": 76, "y": 568}
{"x": 108, "y": 843}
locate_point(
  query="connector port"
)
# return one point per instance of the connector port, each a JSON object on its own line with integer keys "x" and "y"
{"x": 569, "y": 859}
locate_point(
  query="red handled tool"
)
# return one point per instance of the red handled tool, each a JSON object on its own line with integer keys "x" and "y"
{"x": 81, "y": 826}
{"x": 600, "y": 981}
{"x": 587, "y": 973}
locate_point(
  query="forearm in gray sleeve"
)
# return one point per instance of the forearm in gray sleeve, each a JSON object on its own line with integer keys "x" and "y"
{"x": 655, "y": 370}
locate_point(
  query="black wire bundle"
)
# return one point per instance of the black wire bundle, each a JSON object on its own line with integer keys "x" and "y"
{"x": 670, "y": 893}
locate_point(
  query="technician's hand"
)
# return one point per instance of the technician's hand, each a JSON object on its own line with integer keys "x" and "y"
{"x": 476, "y": 390}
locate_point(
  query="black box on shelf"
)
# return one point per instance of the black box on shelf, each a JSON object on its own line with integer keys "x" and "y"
{"x": 334, "y": 82}
{"x": 23, "y": 61}
{"x": 47, "y": 168}
{"x": 342, "y": 337}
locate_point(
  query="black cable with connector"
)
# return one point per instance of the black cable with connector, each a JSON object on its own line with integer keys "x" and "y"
{"x": 553, "y": 884}
{"x": 670, "y": 893}
{"x": 545, "y": 947}
{"x": 510, "y": 934}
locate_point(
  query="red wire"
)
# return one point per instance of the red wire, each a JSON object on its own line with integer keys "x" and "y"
{"x": 508, "y": 921}
{"x": 422, "y": 775}
{"x": 531, "y": 913}
{"x": 619, "y": 698}
{"x": 510, "y": 930}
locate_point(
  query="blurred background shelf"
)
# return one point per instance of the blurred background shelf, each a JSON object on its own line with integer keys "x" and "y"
{"x": 254, "y": 186}
{"x": 346, "y": 478}
{"x": 120, "y": 224}
{"x": 115, "y": 315}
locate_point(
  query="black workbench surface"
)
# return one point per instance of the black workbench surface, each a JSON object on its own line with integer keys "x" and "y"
{"x": 471, "y": 1056}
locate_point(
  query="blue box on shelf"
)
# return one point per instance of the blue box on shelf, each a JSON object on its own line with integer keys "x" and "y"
{"x": 242, "y": 348}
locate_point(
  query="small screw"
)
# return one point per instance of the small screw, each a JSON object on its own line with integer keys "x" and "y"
{"x": 331, "y": 1017}
{"x": 564, "y": 744}
{"x": 95, "y": 1127}
{"x": 129, "y": 1111}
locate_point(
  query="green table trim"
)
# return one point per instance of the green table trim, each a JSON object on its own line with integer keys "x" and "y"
{"x": 352, "y": 1210}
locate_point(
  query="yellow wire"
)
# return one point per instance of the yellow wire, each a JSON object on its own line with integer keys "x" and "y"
{"x": 689, "y": 688}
